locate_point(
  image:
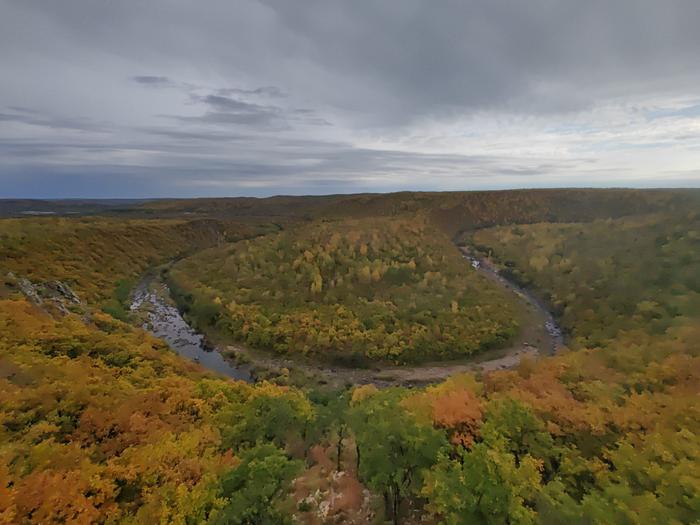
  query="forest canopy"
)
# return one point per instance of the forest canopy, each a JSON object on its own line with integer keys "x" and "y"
{"x": 607, "y": 276}
{"x": 393, "y": 289}
{"x": 100, "y": 422}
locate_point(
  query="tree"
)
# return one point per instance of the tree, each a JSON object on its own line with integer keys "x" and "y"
{"x": 256, "y": 487}
{"x": 270, "y": 415}
{"x": 654, "y": 482}
{"x": 316, "y": 283}
{"x": 331, "y": 421}
{"x": 514, "y": 424}
{"x": 394, "y": 447}
{"x": 483, "y": 487}
{"x": 365, "y": 275}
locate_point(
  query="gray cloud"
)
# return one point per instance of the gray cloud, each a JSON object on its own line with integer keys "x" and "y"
{"x": 150, "y": 80}
{"x": 31, "y": 117}
{"x": 189, "y": 136}
{"x": 274, "y": 96}
{"x": 234, "y": 106}
{"x": 267, "y": 91}
{"x": 691, "y": 111}
{"x": 539, "y": 56}
{"x": 226, "y": 110}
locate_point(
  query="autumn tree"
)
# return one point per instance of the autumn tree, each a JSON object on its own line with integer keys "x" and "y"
{"x": 483, "y": 486}
{"x": 395, "y": 448}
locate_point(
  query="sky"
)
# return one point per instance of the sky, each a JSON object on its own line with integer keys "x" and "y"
{"x": 182, "y": 98}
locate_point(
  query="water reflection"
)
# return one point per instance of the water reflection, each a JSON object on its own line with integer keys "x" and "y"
{"x": 165, "y": 322}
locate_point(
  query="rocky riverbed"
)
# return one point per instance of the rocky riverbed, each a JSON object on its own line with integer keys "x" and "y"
{"x": 162, "y": 319}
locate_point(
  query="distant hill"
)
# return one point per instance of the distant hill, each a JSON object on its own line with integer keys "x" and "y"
{"x": 454, "y": 211}
{"x": 29, "y": 207}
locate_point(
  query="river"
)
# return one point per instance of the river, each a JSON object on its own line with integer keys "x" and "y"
{"x": 540, "y": 335}
{"x": 165, "y": 322}
{"x": 550, "y": 325}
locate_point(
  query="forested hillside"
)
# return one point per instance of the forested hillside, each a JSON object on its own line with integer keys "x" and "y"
{"x": 349, "y": 290}
{"x": 101, "y": 423}
{"x": 610, "y": 276}
{"x": 101, "y": 258}
{"x": 452, "y": 211}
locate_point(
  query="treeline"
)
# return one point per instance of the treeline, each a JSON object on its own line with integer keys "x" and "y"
{"x": 393, "y": 289}
{"x": 452, "y": 211}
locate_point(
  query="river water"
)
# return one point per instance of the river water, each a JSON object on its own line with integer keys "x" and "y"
{"x": 487, "y": 268}
{"x": 165, "y": 322}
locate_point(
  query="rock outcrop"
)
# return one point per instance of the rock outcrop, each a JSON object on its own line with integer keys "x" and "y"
{"x": 56, "y": 294}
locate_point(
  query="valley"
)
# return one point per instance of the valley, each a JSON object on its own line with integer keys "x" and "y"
{"x": 340, "y": 360}
{"x": 539, "y": 335}
{"x": 349, "y": 262}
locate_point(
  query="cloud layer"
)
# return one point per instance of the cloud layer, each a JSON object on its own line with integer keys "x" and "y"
{"x": 174, "y": 98}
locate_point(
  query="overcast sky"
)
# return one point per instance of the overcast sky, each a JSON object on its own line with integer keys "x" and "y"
{"x": 134, "y": 98}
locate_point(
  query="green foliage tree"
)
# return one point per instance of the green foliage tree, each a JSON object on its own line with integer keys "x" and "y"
{"x": 256, "y": 487}
{"x": 511, "y": 424}
{"x": 483, "y": 486}
{"x": 395, "y": 449}
{"x": 268, "y": 416}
